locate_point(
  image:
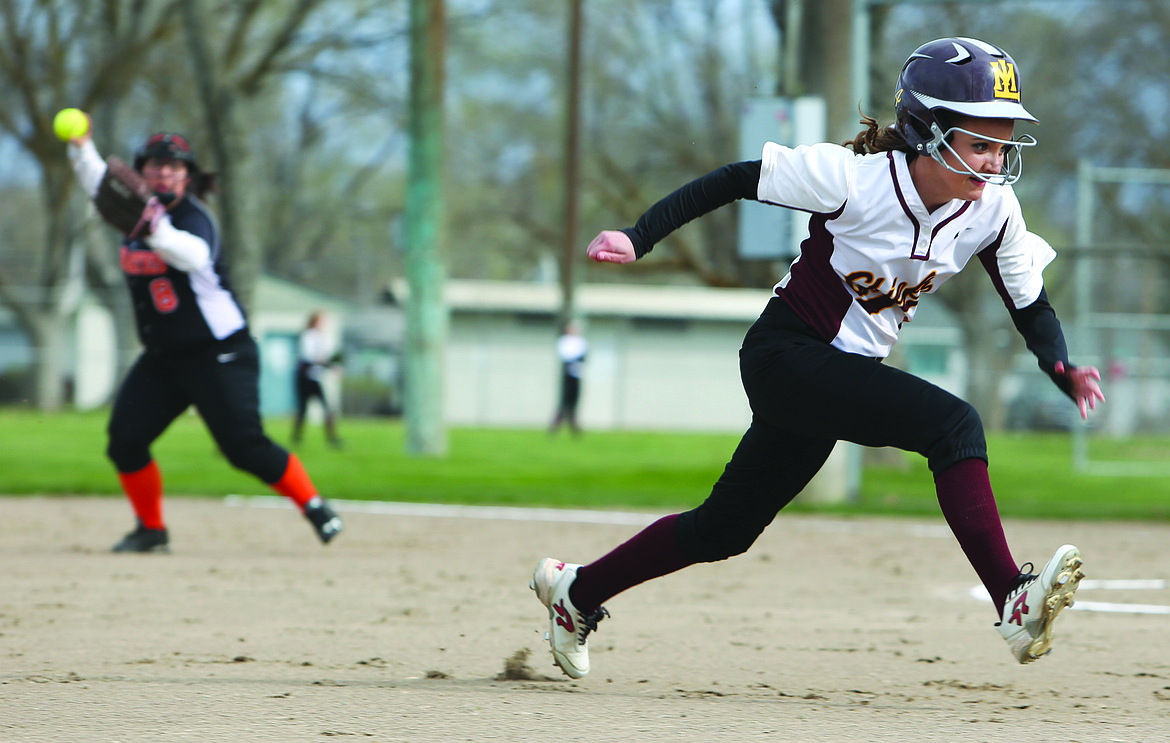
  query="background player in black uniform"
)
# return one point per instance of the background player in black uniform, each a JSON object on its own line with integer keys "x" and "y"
{"x": 198, "y": 350}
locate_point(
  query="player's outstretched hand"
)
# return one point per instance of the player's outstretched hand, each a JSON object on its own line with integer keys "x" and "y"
{"x": 612, "y": 246}
{"x": 1085, "y": 390}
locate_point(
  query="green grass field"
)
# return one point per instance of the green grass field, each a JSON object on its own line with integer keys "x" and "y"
{"x": 1032, "y": 475}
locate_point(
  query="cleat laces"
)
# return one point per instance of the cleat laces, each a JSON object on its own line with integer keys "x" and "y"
{"x": 589, "y": 623}
{"x": 1024, "y": 576}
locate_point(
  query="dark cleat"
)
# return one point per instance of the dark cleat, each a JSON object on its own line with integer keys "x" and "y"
{"x": 327, "y": 523}
{"x": 143, "y": 540}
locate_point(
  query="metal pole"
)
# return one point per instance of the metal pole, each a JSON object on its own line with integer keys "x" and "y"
{"x": 572, "y": 162}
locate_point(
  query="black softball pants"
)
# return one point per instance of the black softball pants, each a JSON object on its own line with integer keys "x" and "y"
{"x": 307, "y": 389}
{"x": 805, "y": 396}
{"x": 221, "y": 380}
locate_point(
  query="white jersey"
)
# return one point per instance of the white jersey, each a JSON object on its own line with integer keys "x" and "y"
{"x": 314, "y": 351}
{"x": 873, "y": 248}
{"x": 571, "y": 348}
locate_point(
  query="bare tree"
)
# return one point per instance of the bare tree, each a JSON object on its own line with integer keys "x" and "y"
{"x": 664, "y": 108}
{"x": 136, "y": 66}
{"x": 255, "y": 41}
{"x": 289, "y": 172}
{"x": 55, "y": 55}
{"x": 300, "y": 105}
{"x": 1095, "y": 79}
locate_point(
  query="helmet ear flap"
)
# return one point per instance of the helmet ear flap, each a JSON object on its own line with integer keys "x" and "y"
{"x": 921, "y": 128}
{"x": 914, "y": 129}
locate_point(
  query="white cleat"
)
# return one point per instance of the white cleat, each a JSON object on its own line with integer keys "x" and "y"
{"x": 568, "y": 627}
{"x": 1035, "y": 600}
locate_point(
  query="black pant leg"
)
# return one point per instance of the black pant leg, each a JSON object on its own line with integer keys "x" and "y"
{"x": 224, "y": 385}
{"x": 805, "y": 396}
{"x": 768, "y": 469}
{"x": 147, "y": 402}
{"x": 802, "y": 385}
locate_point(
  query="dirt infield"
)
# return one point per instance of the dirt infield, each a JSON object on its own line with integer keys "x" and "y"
{"x": 415, "y": 628}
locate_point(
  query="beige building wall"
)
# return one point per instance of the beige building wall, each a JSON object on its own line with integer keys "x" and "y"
{"x": 659, "y": 357}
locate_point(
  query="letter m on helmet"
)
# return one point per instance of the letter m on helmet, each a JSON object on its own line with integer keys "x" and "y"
{"x": 1005, "y": 79}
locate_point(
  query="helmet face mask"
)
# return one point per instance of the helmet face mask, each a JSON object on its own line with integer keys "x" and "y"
{"x": 957, "y": 78}
{"x": 1013, "y": 161}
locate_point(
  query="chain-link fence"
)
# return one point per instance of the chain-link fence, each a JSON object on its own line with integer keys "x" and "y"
{"x": 1122, "y": 324}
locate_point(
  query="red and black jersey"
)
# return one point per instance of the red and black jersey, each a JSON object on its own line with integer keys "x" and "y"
{"x": 176, "y": 309}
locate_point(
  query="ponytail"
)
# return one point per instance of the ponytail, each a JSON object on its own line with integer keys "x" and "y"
{"x": 874, "y": 138}
{"x": 203, "y": 183}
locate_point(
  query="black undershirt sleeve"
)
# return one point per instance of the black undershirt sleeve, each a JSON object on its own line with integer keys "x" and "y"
{"x": 1042, "y": 333}
{"x": 702, "y": 195}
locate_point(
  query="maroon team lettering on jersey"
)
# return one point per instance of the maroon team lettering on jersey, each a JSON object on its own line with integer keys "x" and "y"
{"x": 901, "y": 294}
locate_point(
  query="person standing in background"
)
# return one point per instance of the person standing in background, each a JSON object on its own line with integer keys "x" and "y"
{"x": 314, "y": 357}
{"x": 571, "y": 348}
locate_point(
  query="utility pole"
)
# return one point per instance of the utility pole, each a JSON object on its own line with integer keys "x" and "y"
{"x": 426, "y": 315}
{"x": 572, "y": 163}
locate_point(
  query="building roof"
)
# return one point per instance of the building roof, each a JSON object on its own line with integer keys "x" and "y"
{"x": 639, "y": 300}
{"x": 275, "y": 294}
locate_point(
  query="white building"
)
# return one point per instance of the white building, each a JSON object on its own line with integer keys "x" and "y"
{"x": 660, "y": 357}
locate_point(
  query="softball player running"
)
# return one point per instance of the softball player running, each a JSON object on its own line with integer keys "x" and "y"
{"x": 198, "y": 350}
{"x": 893, "y": 215}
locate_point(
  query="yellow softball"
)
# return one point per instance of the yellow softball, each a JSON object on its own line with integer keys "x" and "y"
{"x": 70, "y": 123}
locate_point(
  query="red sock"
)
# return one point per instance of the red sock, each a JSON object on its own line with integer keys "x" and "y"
{"x": 651, "y": 553}
{"x": 295, "y": 483}
{"x": 968, "y": 505}
{"x": 144, "y": 489}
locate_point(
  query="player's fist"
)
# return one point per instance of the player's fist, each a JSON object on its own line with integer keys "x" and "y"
{"x": 612, "y": 246}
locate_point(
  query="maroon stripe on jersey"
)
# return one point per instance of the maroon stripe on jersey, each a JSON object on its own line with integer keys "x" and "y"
{"x": 905, "y": 207}
{"x": 934, "y": 232}
{"x": 987, "y": 257}
{"x": 814, "y": 290}
{"x": 948, "y": 220}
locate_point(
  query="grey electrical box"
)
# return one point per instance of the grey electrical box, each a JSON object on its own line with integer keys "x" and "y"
{"x": 768, "y": 232}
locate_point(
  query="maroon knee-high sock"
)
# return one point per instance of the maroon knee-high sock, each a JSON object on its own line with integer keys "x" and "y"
{"x": 651, "y": 553}
{"x": 968, "y": 505}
